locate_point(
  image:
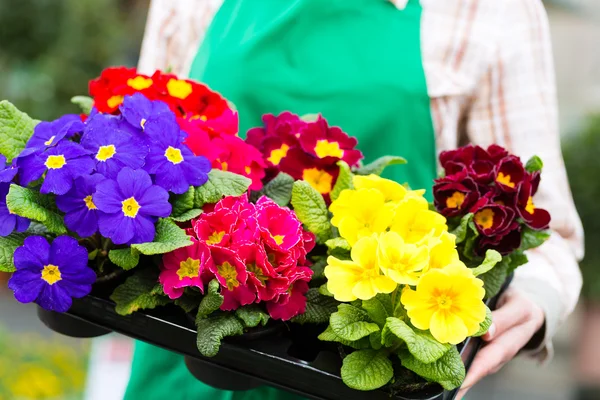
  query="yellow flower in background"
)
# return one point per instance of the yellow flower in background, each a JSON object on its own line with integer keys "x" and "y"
{"x": 400, "y": 261}
{"x": 360, "y": 213}
{"x": 448, "y": 302}
{"x": 415, "y": 222}
{"x": 360, "y": 278}
{"x": 392, "y": 191}
{"x": 442, "y": 251}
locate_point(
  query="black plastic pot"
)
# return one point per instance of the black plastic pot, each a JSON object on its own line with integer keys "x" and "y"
{"x": 68, "y": 325}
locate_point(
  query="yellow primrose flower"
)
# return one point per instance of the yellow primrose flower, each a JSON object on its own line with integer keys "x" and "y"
{"x": 401, "y": 261}
{"x": 442, "y": 251}
{"x": 392, "y": 191}
{"x": 361, "y": 213}
{"x": 448, "y": 302}
{"x": 360, "y": 278}
{"x": 415, "y": 222}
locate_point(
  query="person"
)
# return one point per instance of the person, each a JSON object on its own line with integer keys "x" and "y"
{"x": 405, "y": 77}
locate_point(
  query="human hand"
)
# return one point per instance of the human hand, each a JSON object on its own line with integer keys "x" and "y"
{"x": 514, "y": 323}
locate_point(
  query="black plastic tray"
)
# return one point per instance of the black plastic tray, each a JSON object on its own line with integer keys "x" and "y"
{"x": 294, "y": 360}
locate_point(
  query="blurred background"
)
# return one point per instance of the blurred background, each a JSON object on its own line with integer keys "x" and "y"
{"x": 50, "y": 49}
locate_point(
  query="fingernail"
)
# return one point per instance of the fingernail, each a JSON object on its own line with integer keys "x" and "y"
{"x": 491, "y": 332}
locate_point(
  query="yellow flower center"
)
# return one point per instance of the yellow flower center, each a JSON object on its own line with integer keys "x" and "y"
{"x": 278, "y": 239}
{"x": 444, "y": 301}
{"x": 139, "y": 83}
{"x": 106, "y": 152}
{"x": 505, "y": 180}
{"x": 530, "y": 207}
{"x": 224, "y": 165}
{"x": 114, "y": 101}
{"x": 456, "y": 200}
{"x": 326, "y": 148}
{"x": 216, "y": 237}
{"x": 188, "y": 268}
{"x": 258, "y": 272}
{"x": 174, "y": 155}
{"x": 229, "y": 273}
{"x": 179, "y": 89}
{"x": 485, "y": 218}
{"x": 49, "y": 141}
{"x": 319, "y": 179}
{"x": 278, "y": 154}
{"x": 130, "y": 207}
{"x": 51, "y": 274}
{"x": 248, "y": 170}
{"x": 89, "y": 203}
{"x": 55, "y": 162}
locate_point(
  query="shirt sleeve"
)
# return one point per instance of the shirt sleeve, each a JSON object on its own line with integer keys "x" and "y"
{"x": 515, "y": 105}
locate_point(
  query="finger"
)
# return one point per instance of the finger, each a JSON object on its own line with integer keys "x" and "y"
{"x": 509, "y": 315}
{"x": 492, "y": 357}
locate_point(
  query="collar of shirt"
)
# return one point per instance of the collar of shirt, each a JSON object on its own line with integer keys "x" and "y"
{"x": 401, "y": 4}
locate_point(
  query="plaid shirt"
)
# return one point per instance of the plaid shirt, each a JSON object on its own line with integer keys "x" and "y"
{"x": 490, "y": 76}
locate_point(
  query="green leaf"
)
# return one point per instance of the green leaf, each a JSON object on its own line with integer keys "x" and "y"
{"x": 138, "y": 292}
{"x": 324, "y": 291}
{"x": 188, "y": 301}
{"x": 168, "y": 237}
{"x": 379, "y": 308}
{"x": 310, "y": 117}
{"x": 211, "y": 301}
{"x": 311, "y": 210}
{"x": 492, "y": 257}
{"x": 182, "y": 203}
{"x": 517, "y": 259}
{"x": 330, "y": 336}
{"x": 339, "y": 247}
{"x": 343, "y": 182}
{"x": 530, "y": 239}
{"x": 318, "y": 268}
{"x": 367, "y": 370}
{"x": 420, "y": 344}
{"x": 252, "y": 315}
{"x": 15, "y": 130}
{"x": 462, "y": 229}
{"x": 534, "y": 164}
{"x": 472, "y": 235}
{"x": 188, "y": 215}
{"x": 212, "y": 330}
{"x": 319, "y": 308}
{"x": 351, "y": 323}
{"x": 8, "y": 245}
{"x": 35, "y": 206}
{"x": 487, "y": 322}
{"x": 448, "y": 371}
{"x": 280, "y": 189}
{"x": 125, "y": 258}
{"x": 375, "y": 340}
{"x": 84, "y": 102}
{"x": 220, "y": 184}
{"x": 377, "y": 166}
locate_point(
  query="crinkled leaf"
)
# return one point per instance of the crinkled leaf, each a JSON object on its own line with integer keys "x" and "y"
{"x": 339, "y": 247}
{"x": 220, "y": 184}
{"x": 125, "y": 258}
{"x": 448, "y": 371}
{"x": 188, "y": 215}
{"x": 534, "y": 164}
{"x": 530, "y": 239}
{"x": 344, "y": 180}
{"x": 280, "y": 189}
{"x": 367, "y": 370}
{"x": 85, "y": 103}
{"x": 318, "y": 268}
{"x": 212, "y": 330}
{"x": 375, "y": 340}
{"x": 492, "y": 258}
{"x": 420, "y": 344}
{"x": 330, "y": 336}
{"x": 471, "y": 241}
{"x": 318, "y": 308}
{"x": 379, "y": 308}
{"x": 8, "y": 245}
{"x": 351, "y": 323}
{"x": 311, "y": 210}
{"x": 377, "y": 166}
{"x": 485, "y": 325}
{"x": 188, "y": 301}
{"x": 168, "y": 237}
{"x": 462, "y": 229}
{"x": 252, "y": 315}
{"x": 517, "y": 259}
{"x": 138, "y": 292}
{"x": 211, "y": 301}
{"x": 35, "y": 206}
{"x": 16, "y": 128}
{"x": 182, "y": 202}
{"x": 495, "y": 278}
{"x": 324, "y": 291}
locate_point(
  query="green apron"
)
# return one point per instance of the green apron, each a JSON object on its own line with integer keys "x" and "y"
{"x": 357, "y": 62}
